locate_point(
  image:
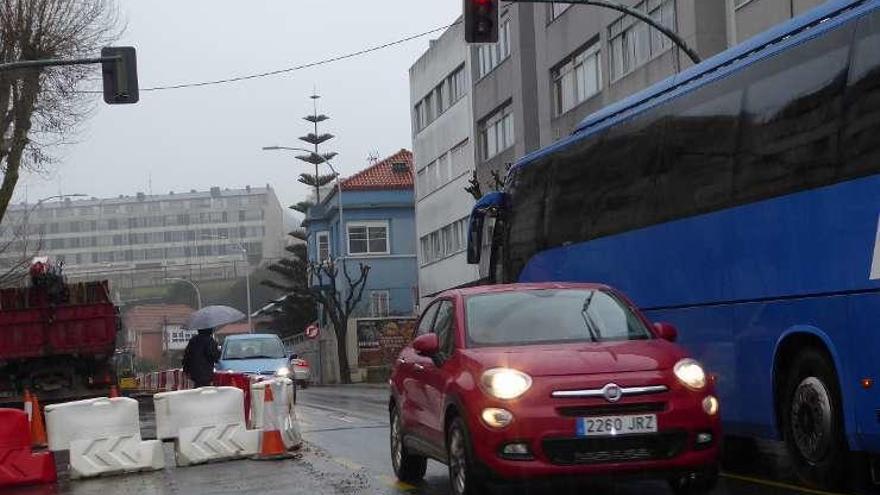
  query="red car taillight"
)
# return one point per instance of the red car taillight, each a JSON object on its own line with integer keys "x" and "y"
{"x": 301, "y": 362}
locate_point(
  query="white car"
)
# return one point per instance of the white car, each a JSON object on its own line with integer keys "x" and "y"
{"x": 302, "y": 373}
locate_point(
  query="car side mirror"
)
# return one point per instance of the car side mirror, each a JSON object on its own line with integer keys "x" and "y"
{"x": 426, "y": 345}
{"x": 666, "y": 331}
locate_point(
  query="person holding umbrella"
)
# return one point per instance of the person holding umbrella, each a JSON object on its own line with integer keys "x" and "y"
{"x": 202, "y": 351}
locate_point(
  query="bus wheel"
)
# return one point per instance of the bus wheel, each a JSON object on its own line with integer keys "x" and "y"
{"x": 812, "y": 420}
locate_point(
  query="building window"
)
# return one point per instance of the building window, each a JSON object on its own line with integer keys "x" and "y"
{"x": 632, "y": 42}
{"x": 444, "y": 242}
{"x": 576, "y": 79}
{"x": 451, "y": 89}
{"x": 496, "y": 132}
{"x": 458, "y": 159}
{"x": 323, "y": 239}
{"x": 457, "y": 85}
{"x": 379, "y": 303}
{"x": 491, "y": 56}
{"x": 557, "y": 9}
{"x": 368, "y": 238}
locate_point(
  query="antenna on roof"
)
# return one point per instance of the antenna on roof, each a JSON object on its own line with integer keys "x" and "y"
{"x": 373, "y": 157}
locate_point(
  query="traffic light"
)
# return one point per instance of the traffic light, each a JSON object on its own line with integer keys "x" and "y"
{"x": 120, "y": 75}
{"x": 481, "y": 21}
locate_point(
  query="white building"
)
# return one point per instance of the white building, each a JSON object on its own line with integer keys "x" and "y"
{"x": 142, "y": 240}
{"x": 440, "y": 83}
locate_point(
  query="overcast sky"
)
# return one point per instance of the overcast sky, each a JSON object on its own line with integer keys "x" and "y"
{"x": 211, "y": 136}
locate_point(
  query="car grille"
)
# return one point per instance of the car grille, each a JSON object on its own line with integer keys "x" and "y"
{"x": 607, "y": 409}
{"x": 656, "y": 446}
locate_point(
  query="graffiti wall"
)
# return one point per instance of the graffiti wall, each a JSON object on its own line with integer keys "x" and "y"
{"x": 380, "y": 340}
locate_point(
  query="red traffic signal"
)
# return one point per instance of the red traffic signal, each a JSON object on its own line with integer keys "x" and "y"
{"x": 481, "y": 21}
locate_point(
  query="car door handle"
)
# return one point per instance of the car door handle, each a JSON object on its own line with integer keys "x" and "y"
{"x": 419, "y": 367}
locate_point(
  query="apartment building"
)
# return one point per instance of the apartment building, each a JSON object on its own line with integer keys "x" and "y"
{"x": 142, "y": 240}
{"x": 553, "y": 65}
{"x": 443, "y": 147}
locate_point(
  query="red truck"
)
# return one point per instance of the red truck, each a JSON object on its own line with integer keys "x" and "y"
{"x": 57, "y": 339}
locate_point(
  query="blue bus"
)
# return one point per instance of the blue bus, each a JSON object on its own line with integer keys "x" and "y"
{"x": 740, "y": 201}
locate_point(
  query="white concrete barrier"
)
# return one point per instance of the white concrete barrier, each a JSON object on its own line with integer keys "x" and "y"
{"x": 103, "y": 436}
{"x": 206, "y": 423}
{"x": 285, "y": 410}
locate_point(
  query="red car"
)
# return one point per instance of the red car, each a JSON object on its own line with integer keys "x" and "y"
{"x": 540, "y": 381}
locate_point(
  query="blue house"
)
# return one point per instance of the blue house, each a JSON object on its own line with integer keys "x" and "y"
{"x": 377, "y": 222}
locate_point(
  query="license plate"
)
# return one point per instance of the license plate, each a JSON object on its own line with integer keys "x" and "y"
{"x": 606, "y": 426}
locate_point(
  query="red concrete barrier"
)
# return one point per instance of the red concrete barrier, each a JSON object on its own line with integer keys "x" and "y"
{"x": 19, "y": 465}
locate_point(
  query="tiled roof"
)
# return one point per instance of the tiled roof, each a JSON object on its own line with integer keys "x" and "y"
{"x": 149, "y": 318}
{"x": 394, "y": 172}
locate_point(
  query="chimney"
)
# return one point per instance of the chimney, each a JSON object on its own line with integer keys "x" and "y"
{"x": 141, "y": 196}
{"x": 215, "y": 192}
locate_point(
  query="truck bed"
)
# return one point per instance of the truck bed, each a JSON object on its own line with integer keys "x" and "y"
{"x": 31, "y": 327}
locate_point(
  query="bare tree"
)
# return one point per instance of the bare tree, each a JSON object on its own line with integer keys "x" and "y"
{"x": 39, "y": 107}
{"x": 311, "y": 282}
{"x": 338, "y": 305}
{"x": 19, "y": 244}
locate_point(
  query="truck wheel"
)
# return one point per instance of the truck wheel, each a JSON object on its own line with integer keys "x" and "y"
{"x": 812, "y": 420}
{"x": 407, "y": 467}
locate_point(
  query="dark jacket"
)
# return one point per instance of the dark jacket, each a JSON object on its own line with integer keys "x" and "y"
{"x": 199, "y": 357}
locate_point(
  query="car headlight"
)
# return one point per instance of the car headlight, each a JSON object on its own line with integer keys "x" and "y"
{"x": 690, "y": 373}
{"x": 283, "y": 371}
{"x": 506, "y": 383}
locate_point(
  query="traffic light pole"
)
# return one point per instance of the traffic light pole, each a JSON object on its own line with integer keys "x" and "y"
{"x": 679, "y": 42}
{"x": 31, "y": 64}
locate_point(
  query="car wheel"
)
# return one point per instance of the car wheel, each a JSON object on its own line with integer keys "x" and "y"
{"x": 812, "y": 421}
{"x": 407, "y": 467}
{"x": 463, "y": 477}
{"x": 697, "y": 482}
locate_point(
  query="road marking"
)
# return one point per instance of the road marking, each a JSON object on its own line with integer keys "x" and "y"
{"x": 778, "y": 484}
{"x": 395, "y": 483}
{"x": 346, "y": 463}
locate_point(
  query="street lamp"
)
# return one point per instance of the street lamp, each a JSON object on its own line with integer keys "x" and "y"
{"x": 320, "y": 159}
{"x": 247, "y": 273}
{"x": 192, "y": 284}
{"x": 60, "y": 196}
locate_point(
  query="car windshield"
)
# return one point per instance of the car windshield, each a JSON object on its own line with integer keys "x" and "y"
{"x": 550, "y": 315}
{"x": 259, "y": 348}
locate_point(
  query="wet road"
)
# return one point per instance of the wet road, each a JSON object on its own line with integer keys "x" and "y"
{"x": 347, "y": 452}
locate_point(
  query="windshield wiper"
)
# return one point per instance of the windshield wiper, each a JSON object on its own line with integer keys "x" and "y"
{"x": 585, "y": 312}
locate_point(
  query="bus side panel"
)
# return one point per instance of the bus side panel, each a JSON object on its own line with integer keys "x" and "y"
{"x": 864, "y": 338}
{"x": 764, "y": 268}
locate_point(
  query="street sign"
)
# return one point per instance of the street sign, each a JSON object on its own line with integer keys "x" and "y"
{"x": 312, "y": 331}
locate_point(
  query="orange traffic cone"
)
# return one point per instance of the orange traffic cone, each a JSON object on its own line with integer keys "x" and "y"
{"x": 38, "y": 427}
{"x": 114, "y": 393}
{"x": 271, "y": 443}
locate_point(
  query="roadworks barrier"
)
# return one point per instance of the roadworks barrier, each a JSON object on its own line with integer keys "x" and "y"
{"x": 103, "y": 436}
{"x": 19, "y": 465}
{"x": 207, "y": 424}
{"x": 283, "y": 410}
